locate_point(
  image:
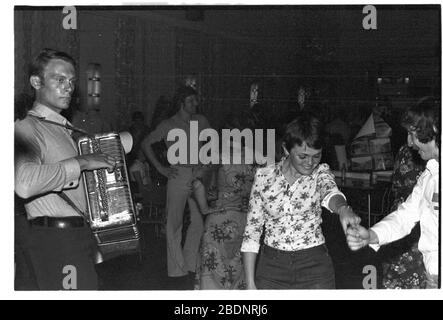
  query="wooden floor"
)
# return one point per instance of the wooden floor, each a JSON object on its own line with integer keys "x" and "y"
{"x": 148, "y": 270}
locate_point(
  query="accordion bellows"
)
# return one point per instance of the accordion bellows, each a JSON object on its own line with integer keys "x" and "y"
{"x": 110, "y": 206}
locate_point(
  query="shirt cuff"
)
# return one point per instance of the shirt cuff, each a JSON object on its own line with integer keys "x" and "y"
{"x": 381, "y": 240}
{"x": 325, "y": 202}
{"x": 250, "y": 247}
{"x": 72, "y": 170}
{"x": 380, "y": 232}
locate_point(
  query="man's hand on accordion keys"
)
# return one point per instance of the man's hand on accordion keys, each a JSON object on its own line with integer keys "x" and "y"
{"x": 95, "y": 161}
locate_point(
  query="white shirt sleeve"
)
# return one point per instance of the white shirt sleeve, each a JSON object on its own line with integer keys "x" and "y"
{"x": 399, "y": 223}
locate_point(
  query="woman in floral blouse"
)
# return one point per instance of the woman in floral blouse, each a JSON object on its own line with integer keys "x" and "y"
{"x": 285, "y": 203}
{"x": 405, "y": 269}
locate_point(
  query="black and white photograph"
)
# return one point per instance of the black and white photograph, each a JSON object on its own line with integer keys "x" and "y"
{"x": 237, "y": 147}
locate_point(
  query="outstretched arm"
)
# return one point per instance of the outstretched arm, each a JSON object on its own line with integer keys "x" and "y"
{"x": 249, "y": 265}
{"x": 333, "y": 199}
{"x": 338, "y": 204}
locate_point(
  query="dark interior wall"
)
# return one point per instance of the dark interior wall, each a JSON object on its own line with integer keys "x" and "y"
{"x": 33, "y": 31}
{"x": 406, "y": 42}
{"x": 145, "y": 53}
{"x": 137, "y": 57}
{"x": 401, "y": 32}
{"x": 142, "y": 58}
{"x": 96, "y": 43}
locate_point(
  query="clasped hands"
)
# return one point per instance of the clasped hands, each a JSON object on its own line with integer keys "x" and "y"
{"x": 357, "y": 236}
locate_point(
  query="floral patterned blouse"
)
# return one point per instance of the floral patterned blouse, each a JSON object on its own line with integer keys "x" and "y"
{"x": 407, "y": 169}
{"x": 290, "y": 214}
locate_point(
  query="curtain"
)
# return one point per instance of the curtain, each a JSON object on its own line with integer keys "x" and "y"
{"x": 125, "y": 81}
{"x": 35, "y": 30}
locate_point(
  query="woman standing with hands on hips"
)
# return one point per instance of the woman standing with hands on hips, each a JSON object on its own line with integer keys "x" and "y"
{"x": 286, "y": 201}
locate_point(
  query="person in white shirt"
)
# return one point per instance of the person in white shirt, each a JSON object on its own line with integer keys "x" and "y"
{"x": 423, "y": 123}
{"x": 181, "y": 260}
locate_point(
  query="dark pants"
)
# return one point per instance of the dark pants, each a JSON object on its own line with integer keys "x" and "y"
{"x": 304, "y": 269}
{"x": 24, "y": 274}
{"x": 63, "y": 258}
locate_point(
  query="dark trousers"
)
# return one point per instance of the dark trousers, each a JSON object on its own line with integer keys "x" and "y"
{"x": 24, "y": 274}
{"x": 304, "y": 269}
{"x": 63, "y": 258}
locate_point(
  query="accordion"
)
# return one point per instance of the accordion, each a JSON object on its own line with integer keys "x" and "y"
{"x": 111, "y": 211}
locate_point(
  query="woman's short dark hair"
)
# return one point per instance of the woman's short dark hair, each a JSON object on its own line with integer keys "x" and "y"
{"x": 304, "y": 128}
{"x": 38, "y": 65}
{"x": 423, "y": 118}
{"x": 181, "y": 94}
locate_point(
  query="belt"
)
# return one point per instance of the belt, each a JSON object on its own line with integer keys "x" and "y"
{"x": 60, "y": 223}
{"x": 272, "y": 250}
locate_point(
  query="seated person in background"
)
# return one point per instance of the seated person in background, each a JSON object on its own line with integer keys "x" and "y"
{"x": 163, "y": 110}
{"x": 286, "y": 201}
{"x": 138, "y": 130}
{"x": 423, "y": 123}
{"x": 404, "y": 269}
{"x": 391, "y": 116}
{"x": 139, "y": 172}
{"x": 137, "y": 164}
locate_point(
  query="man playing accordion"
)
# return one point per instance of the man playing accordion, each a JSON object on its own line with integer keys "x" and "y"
{"x": 47, "y": 163}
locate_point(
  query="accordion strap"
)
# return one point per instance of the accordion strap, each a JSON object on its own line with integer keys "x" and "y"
{"x": 66, "y": 125}
{"x": 65, "y": 197}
